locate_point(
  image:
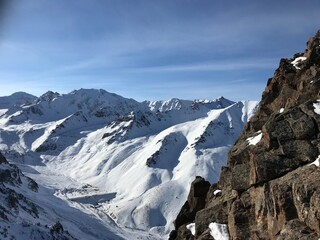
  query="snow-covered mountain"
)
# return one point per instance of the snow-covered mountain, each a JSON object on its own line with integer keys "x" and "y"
{"x": 17, "y": 99}
{"x": 123, "y": 164}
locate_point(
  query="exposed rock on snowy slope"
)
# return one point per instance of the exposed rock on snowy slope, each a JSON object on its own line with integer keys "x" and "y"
{"x": 32, "y": 211}
{"x": 271, "y": 187}
{"x": 135, "y": 157}
{"x": 20, "y": 217}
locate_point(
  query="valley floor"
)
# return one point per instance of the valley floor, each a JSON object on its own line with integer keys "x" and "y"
{"x": 81, "y": 208}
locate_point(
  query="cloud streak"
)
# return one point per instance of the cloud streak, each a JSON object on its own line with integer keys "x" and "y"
{"x": 241, "y": 64}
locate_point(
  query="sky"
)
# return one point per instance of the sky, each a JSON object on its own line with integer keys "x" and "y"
{"x": 150, "y": 49}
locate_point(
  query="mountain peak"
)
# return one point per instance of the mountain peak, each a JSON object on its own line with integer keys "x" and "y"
{"x": 101, "y": 94}
{"x": 178, "y": 104}
{"x": 48, "y": 96}
{"x": 90, "y": 91}
{"x": 16, "y": 99}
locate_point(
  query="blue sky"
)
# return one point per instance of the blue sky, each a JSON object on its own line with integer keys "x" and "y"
{"x": 149, "y": 49}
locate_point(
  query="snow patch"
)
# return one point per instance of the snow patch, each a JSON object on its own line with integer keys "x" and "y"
{"x": 281, "y": 110}
{"x": 297, "y": 61}
{"x": 317, "y": 107}
{"x": 3, "y": 111}
{"x": 316, "y": 162}
{"x": 219, "y": 231}
{"x": 249, "y": 108}
{"x": 216, "y": 192}
{"x": 192, "y": 228}
{"x": 256, "y": 139}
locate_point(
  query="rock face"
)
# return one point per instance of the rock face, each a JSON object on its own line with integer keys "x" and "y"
{"x": 196, "y": 201}
{"x": 270, "y": 188}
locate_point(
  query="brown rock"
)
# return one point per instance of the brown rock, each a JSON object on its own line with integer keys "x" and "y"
{"x": 206, "y": 216}
{"x": 270, "y": 190}
{"x": 184, "y": 233}
{"x": 196, "y": 201}
{"x": 205, "y": 236}
{"x": 296, "y": 230}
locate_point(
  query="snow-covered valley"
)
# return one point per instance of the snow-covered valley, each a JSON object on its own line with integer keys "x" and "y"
{"x": 109, "y": 167}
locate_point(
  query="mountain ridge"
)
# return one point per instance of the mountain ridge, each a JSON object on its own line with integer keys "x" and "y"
{"x": 124, "y": 161}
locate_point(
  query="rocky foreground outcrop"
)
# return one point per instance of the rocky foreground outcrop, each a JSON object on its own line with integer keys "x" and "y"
{"x": 271, "y": 186}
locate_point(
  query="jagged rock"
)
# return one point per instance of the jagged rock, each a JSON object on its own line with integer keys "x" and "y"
{"x": 58, "y": 233}
{"x": 261, "y": 212}
{"x": 10, "y": 174}
{"x": 173, "y": 235}
{"x": 186, "y": 215}
{"x": 268, "y": 174}
{"x": 48, "y": 96}
{"x": 153, "y": 159}
{"x": 198, "y": 193}
{"x": 270, "y": 189}
{"x": 10, "y": 199}
{"x": 205, "y": 236}
{"x": 32, "y": 185}
{"x": 46, "y": 147}
{"x": 196, "y": 201}
{"x": 35, "y": 110}
{"x": 2, "y": 159}
{"x": 184, "y": 233}
{"x": 206, "y": 216}
{"x": 56, "y": 228}
{"x": 296, "y": 230}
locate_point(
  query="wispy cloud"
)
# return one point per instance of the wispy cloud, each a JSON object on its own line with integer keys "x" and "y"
{"x": 241, "y": 64}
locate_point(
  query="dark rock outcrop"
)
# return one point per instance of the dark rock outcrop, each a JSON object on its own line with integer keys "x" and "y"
{"x": 56, "y": 228}
{"x": 2, "y": 159}
{"x": 196, "y": 201}
{"x": 270, "y": 188}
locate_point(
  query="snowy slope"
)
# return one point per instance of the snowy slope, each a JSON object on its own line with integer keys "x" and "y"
{"x": 32, "y": 211}
{"x": 127, "y": 163}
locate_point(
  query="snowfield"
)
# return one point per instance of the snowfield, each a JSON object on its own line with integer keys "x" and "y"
{"x": 113, "y": 168}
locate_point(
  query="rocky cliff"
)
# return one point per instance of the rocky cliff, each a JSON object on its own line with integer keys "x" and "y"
{"x": 271, "y": 186}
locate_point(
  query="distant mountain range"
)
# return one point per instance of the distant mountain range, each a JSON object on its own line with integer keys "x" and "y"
{"x": 108, "y": 167}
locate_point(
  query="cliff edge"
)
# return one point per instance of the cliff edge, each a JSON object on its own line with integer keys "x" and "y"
{"x": 271, "y": 186}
